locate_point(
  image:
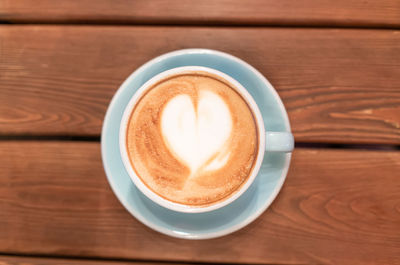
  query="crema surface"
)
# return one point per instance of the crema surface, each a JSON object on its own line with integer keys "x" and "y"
{"x": 192, "y": 139}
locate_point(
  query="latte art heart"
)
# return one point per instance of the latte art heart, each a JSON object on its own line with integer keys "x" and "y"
{"x": 192, "y": 139}
{"x": 197, "y": 136}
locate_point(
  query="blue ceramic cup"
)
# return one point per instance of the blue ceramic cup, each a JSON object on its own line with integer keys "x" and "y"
{"x": 269, "y": 141}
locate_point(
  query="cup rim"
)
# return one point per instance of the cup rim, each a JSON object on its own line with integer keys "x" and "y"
{"x": 154, "y": 196}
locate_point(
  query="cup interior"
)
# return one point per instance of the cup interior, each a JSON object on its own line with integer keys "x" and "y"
{"x": 137, "y": 180}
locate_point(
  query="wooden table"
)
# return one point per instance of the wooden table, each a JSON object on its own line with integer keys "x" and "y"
{"x": 335, "y": 64}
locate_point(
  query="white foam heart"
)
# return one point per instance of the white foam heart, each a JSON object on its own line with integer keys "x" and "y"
{"x": 196, "y": 136}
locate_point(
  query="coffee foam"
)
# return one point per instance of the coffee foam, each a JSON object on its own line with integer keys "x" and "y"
{"x": 192, "y": 139}
{"x": 197, "y": 136}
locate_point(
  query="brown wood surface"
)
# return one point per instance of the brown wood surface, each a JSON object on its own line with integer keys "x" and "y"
{"x": 20, "y": 260}
{"x": 336, "y": 207}
{"x": 383, "y": 13}
{"x": 338, "y": 86}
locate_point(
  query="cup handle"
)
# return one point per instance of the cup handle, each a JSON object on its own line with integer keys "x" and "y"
{"x": 279, "y": 142}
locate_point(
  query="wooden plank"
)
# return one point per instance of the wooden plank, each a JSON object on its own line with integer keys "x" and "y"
{"x": 384, "y": 13}
{"x": 336, "y": 207}
{"x": 19, "y": 260}
{"x": 338, "y": 85}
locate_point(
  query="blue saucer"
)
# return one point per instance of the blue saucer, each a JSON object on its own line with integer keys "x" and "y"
{"x": 229, "y": 218}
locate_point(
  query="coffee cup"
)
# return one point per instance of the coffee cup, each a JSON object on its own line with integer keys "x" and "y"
{"x": 181, "y": 146}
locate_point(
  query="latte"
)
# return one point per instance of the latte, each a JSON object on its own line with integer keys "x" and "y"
{"x": 192, "y": 139}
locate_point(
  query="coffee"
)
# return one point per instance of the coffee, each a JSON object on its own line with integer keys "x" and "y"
{"x": 192, "y": 139}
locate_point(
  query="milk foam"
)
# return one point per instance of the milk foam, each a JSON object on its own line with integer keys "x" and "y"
{"x": 197, "y": 132}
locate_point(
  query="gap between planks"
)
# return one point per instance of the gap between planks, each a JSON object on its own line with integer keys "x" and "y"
{"x": 88, "y": 138}
{"x": 102, "y": 23}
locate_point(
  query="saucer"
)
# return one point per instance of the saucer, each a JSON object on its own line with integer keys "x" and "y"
{"x": 227, "y": 219}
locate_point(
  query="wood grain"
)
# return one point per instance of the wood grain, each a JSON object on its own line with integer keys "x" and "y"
{"x": 338, "y": 86}
{"x": 18, "y": 260}
{"x": 383, "y": 13}
{"x": 336, "y": 207}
